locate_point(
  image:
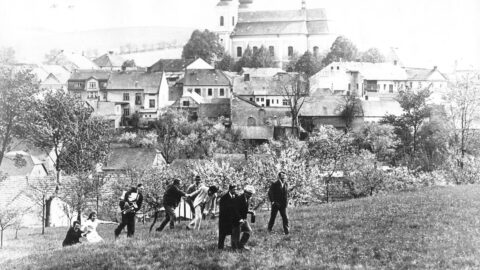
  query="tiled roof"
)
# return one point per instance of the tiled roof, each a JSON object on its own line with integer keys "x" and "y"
{"x": 129, "y": 157}
{"x": 78, "y": 61}
{"x": 10, "y": 168}
{"x": 170, "y": 65}
{"x": 15, "y": 190}
{"x": 420, "y": 74}
{"x": 322, "y": 106}
{"x": 256, "y": 132}
{"x": 281, "y": 15}
{"x": 109, "y": 60}
{"x": 273, "y": 85}
{"x": 82, "y": 75}
{"x": 261, "y": 72}
{"x": 205, "y": 77}
{"x": 150, "y": 82}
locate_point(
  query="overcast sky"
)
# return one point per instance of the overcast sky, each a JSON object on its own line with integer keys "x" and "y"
{"x": 425, "y": 31}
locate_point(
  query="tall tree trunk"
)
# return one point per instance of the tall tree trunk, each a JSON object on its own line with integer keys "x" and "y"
{"x": 48, "y": 208}
{"x": 43, "y": 214}
{"x": 1, "y": 239}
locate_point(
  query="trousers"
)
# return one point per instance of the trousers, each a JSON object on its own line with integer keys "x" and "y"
{"x": 237, "y": 242}
{"x": 128, "y": 220}
{"x": 273, "y": 215}
{"x": 169, "y": 218}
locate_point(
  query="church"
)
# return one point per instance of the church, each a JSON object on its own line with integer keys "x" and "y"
{"x": 283, "y": 33}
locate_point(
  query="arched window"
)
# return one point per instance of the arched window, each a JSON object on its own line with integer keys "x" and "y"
{"x": 221, "y": 21}
{"x": 251, "y": 122}
{"x": 239, "y": 51}
{"x": 290, "y": 51}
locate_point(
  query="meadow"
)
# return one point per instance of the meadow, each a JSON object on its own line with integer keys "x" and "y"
{"x": 434, "y": 228}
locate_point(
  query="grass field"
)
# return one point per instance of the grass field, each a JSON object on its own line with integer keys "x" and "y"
{"x": 435, "y": 228}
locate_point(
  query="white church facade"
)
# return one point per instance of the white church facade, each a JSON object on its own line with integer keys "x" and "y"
{"x": 283, "y": 33}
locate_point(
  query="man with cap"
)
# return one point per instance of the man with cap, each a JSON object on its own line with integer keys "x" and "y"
{"x": 278, "y": 196}
{"x": 171, "y": 199}
{"x": 240, "y": 223}
{"x": 191, "y": 189}
{"x": 225, "y": 219}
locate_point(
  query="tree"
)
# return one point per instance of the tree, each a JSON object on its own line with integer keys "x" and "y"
{"x": 262, "y": 58}
{"x": 415, "y": 112}
{"x": 8, "y": 218}
{"x": 227, "y": 63}
{"x": 372, "y": 55}
{"x": 81, "y": 155}
{"x": 342, "y": 49}
{"x": 169, "y": 130}
{"x": 7, "y": 55}
{"x": 17, "y": 90}
{"x": 379, "y": 139}
{"x": 203, "y": 45}
{"x": 294, "y": 88}
{"x": 292, "y": 61}
{"x": 128, "y": 64}
{"x": 363, "y": 176}
{"x": 51, "y": 58}
{"x": 350, "y": 109}
{"x": 41, "y": 191}
{"x": 309, "y": 64}
{"x": 245, "y": 60}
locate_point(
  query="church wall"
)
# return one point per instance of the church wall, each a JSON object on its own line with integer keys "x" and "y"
{"x": 324, "y": 42}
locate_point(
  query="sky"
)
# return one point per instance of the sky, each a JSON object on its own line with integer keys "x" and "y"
{"x": 426, "y": 32}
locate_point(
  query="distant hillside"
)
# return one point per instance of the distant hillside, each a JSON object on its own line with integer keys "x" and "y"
{"x": 100, "y": 41}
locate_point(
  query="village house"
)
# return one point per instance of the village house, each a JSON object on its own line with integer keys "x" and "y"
{"x": 73, "y": 61}
{"x": 109, "y": 61}
{"x": 52, "y": 77}
{"x": 283, "y": 33}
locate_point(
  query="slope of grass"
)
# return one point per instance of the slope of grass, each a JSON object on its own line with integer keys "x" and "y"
{"x": 431, "y": 229}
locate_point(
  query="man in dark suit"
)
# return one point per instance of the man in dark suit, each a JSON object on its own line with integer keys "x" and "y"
{"x": 171, "y": 199}
{"x": 225, "y": 220}
{"x": 278, "y": 196}
{"x": 240, "y": 223}
{"x": 131, "y": 204}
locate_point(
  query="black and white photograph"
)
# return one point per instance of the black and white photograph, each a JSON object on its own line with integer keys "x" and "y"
{"x": 240, "y": 134}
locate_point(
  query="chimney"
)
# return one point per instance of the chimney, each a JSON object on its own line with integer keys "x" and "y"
{"x": 246, "y": 77}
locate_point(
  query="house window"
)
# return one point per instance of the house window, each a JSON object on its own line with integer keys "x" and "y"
{"x": 251, "y": 121}
{"x": 315, "y": 50}
{"x": 356, "y": 87}
{"x": 258, "y": 99}
{"x": 126, "y": 96}
{"x": 239, "y": 51}
{"x": 390, "y": 88}
{"x": 92, "y": 85}
{"x": 198, "y": 91}
{"x": 290, "y": 51}
{"x": 210, "y": 92}
{"x": 152, "y": 103}
{"x": 285, "y": 102}
{"x": 262, "y": 99}
{"x": 138, "y": 99}
{"x": 271, "y": 49}
{"x": 348, "y": 87}
{"x": 186, "y": 103}
{"x": 126, "y": 112}
{"x": 92, "y": 95}
{"x": 78, "y": 85}
{"x": 222, "y": 92}
{"x": 221, "y": 21}
{"x": 251, "y": 99}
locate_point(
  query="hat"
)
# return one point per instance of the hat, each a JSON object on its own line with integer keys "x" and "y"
{"x": 197, "y": 178}
{"x": 232, "y": 186}
{"x": 250, "y": 189}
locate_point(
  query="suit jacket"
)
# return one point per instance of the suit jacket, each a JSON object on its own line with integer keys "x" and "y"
{"x": 227, "y": 213}
{"x": 278, "y": 194}
{"x": 172, "y": 196}
{"x": 138, "y": 199}
{"x": 241, "y": 208}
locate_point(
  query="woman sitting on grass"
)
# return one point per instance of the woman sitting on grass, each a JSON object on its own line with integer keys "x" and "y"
{"x": 204, "y": 196}
{"x": 91, "y": 225}
{"x": 73, "y": 235}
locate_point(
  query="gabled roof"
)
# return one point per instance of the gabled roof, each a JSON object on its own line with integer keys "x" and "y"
{"x": 421, "y": 74}
{"x": 83, "y": 75}
{"x": 15, "y": 190}
{"x": 11, "y": 168}
{"x": 149, "y": 82}
{"x": 109, "y": 60}
{"x": 205, "y": 77}
{"x": 170, "y": 65}
{"x": 273, "y": 85}
{"x": 199, "y": 63}
{"x": 322, "y": 106}
{"x": 123, "y": 158}
{"x": 75, "y": 60}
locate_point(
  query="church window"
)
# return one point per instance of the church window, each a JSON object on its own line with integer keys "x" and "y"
{"x": 315, "y": 50}
{"x": 239, "y": 51}
{"x": 271, "y": 49}
{"x": 290, "y": 51}
{"x": 233, "y": 21}
{"x": 221, "y": 21}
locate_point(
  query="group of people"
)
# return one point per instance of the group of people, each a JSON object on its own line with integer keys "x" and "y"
{"x": 234, "y": 210}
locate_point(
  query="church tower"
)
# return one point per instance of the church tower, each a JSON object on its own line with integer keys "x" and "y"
{"x": 226, "y": 19}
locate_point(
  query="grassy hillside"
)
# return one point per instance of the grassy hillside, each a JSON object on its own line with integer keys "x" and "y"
{"x": 430, "y": 229}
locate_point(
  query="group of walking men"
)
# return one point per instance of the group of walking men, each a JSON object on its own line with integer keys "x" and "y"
{"x": 234, "y": 208}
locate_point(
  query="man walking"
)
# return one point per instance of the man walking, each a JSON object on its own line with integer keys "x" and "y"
{"x": 240, "y": 224}
{"x": 278, "y": 196}
{"x": 171, "y": 199}
{"x": 225, "y": 219}
{"x": 132, "y": 202}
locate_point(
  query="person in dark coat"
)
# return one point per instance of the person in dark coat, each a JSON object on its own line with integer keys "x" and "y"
{"x": 131, "y": 204}
{"x": 278, "y": 196}
{"x": 171, "y": 199}
{"x": 226, "y": 216}
{"x": 240, "y": 222}
{"x": 73, "y": 235}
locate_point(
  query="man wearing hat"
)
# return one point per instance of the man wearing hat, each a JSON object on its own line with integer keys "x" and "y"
{"x": 225, "y": 219}
{"x": 240, "y": 223}
{"x": 171, "y": 199}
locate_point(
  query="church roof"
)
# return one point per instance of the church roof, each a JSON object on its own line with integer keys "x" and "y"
{"x": 310, "y": 21}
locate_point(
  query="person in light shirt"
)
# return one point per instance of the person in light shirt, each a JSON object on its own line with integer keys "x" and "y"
{"x": 203, "y": 196}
